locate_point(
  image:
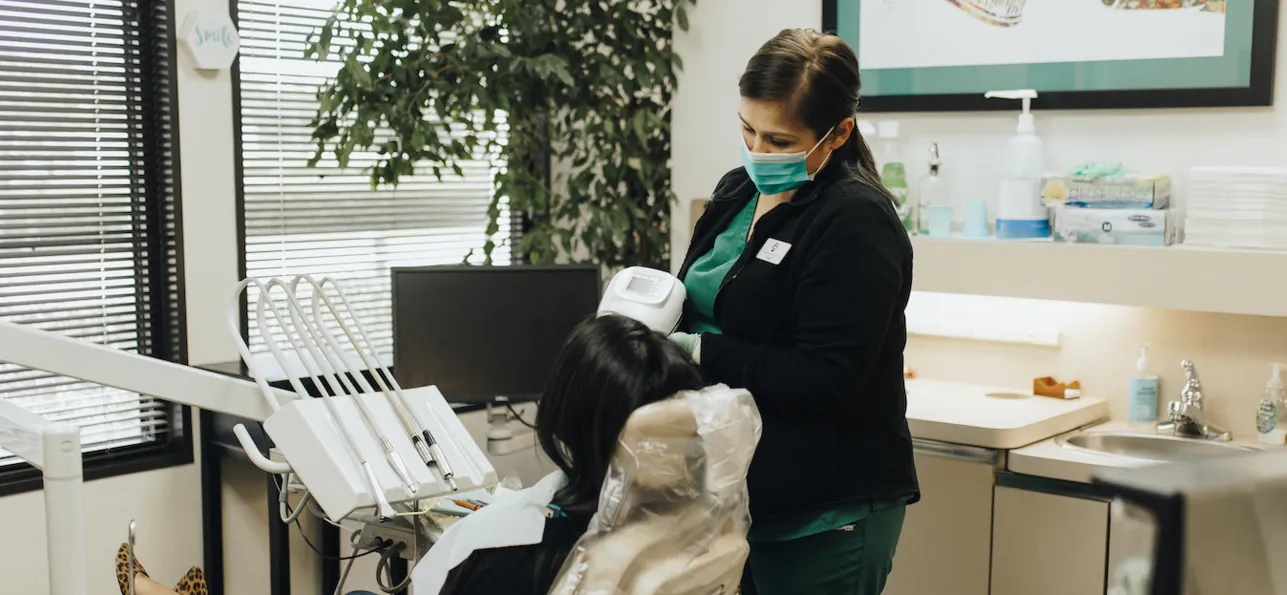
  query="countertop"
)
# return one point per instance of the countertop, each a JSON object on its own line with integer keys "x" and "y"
{"x": 993, "y": 417}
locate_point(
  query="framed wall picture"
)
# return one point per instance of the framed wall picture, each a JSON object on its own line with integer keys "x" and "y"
{"x": 942, "y": 55}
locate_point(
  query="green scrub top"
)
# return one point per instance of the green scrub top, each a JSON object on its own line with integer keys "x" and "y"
{"x": 702, "y": 283}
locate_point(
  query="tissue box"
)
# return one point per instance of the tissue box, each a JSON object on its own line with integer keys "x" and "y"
{"x": 1125, "y": 191}
{"x": 1123, "y": 227}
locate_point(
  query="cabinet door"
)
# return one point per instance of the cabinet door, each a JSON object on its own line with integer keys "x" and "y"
{"x": 1047, "y": 544}
{"x": 946, "y": 537}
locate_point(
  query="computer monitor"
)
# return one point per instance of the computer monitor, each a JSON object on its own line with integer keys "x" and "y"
{"x": 478, "y": 332}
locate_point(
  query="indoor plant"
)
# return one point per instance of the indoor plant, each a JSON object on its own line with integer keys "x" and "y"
{"x": 583, "y": 87}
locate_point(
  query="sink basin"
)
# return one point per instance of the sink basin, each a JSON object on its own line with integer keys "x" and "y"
{"x": 1153, "y": 447}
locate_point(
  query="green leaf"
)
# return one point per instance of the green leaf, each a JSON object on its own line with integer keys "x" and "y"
{"x": 681, "y": 16}
{"x": 561, "y": 70}
{"x": 641, "y": 126}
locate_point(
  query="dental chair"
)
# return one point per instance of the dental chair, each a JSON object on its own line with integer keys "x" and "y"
{"x": 673, "y": 512}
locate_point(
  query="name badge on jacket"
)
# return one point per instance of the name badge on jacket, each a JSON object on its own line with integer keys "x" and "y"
{"x": 774, "y": 251}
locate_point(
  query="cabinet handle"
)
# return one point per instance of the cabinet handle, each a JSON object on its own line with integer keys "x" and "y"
{"x": 956, "y": 452}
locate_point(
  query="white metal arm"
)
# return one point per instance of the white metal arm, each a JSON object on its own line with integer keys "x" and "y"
{"x": 54, "y": 448}
{"x": 177, "y": 383}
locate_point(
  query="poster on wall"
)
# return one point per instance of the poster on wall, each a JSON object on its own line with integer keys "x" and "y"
{"x": 942, "y": 55}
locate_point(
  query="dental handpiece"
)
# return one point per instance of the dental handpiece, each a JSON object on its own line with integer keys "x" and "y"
{"x": 432, "y": 454}
{"x": 423, "y": 441}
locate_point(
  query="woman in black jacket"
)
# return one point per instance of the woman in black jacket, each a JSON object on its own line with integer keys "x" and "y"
{"x": 797, "y": 276}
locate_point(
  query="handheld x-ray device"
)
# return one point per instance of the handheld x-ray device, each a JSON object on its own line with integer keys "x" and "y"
{"x": 653, "y": 297}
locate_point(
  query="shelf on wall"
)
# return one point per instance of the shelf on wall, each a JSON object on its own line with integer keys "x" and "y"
{"x": 1177, "y": 277}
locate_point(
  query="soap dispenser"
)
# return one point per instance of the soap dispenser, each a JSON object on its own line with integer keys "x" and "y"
{"x": 1021, "y": 213}
{"x": 1143, "y": 393}
{"x": 1269, "y": 414}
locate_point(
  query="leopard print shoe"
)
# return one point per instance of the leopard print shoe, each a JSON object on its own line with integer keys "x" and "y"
{"x": 123, "y": 568}
{"x": 192, "y": 583}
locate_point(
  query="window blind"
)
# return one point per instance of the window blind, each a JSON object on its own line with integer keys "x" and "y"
{"x": 323, "y": 220}
{"x": 88, "y": 216}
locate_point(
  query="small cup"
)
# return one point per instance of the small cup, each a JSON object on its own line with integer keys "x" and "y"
{"x": 976, "y": 220}
{"x": 940, "y": 221}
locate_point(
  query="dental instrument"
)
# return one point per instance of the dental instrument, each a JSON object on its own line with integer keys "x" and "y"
{"x": 304, "y": 342}
{"x": 420, "y": 436}
{"x": 315, "y": 441}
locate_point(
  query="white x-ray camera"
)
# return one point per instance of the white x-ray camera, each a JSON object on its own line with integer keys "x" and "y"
{"x": 653, "y": 297}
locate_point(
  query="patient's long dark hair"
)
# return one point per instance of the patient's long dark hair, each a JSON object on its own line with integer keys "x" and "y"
{"x": 610, "y": 366}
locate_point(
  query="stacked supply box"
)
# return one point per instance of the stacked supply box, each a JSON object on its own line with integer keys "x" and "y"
{"x": 1237, "y": 207}
{"x": 1124, "y": 209}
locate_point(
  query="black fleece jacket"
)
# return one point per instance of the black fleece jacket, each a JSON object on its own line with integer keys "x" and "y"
{"x": 818, "y": 340}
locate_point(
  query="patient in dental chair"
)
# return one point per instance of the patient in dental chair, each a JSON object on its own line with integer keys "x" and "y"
{"x": 651, "y": 496}
{"x": 610, "y": 367}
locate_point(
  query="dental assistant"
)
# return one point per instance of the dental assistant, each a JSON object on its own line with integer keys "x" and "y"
{"x": 797, "y": 277}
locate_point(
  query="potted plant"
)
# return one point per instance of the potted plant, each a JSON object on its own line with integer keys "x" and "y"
{"x": 570, "y": 97}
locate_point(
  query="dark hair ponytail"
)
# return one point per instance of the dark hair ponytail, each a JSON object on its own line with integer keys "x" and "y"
{"x": 816, "y": 75}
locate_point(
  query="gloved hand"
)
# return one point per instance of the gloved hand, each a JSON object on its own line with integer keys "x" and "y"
{"x": 690, "y": 343}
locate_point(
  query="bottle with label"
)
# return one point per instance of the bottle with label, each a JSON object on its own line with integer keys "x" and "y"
{"x": 1143, "y": 394}
{"x": 933, "y": 191}
{"x": 1020, "y": 212}
{"x": 1269, "y": 422}
{"x": 894, "y": 174}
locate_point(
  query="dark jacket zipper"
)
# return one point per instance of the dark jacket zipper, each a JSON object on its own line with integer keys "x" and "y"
{"x": 742, "y": 261}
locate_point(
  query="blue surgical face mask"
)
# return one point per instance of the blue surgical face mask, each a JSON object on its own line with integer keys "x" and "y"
{"x": 775, "y": 173}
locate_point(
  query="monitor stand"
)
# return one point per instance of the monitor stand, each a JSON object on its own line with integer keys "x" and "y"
{"x": 504, "y": 436}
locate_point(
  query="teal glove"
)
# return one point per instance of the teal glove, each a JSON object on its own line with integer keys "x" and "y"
{"x": 1098, "y": 170}
{"x": 690, "y": 343}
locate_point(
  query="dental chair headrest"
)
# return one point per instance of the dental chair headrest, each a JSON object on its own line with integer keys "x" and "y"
{"x": 673, "y": 512}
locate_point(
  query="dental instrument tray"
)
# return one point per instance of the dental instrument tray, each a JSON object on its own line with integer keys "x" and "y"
{"x": 364, "y": 443}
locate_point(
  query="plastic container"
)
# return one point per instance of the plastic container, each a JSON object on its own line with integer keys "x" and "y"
{"x": 1143, "y": 393}
{"x": 1269, "y": 424}
{"x": 1021, "y": 214}
{"x": 894, "y": 174}
{"x": 933, "y": 192}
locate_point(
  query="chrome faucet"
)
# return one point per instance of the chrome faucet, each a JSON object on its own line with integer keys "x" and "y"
{"x": 1187, "y": 418}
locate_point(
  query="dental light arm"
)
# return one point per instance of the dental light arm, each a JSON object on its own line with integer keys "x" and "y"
{"x": 177, "y": 383}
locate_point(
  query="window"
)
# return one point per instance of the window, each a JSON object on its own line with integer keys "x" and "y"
{"x": 89, "y": 215}
{"x": 326, "y": 221}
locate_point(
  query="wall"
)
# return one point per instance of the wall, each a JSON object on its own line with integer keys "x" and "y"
{"x": 1232, "y": 352}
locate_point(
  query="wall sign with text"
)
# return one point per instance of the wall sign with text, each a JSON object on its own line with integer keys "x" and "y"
{"x": 211, "y": 39}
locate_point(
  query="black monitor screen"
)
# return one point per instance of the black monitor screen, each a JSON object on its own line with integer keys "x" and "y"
{"x": 483, "y": 332}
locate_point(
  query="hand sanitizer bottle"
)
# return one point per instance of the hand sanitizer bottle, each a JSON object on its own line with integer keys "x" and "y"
{"x": 1269, "y": 415}
{"x": 1143, "y": 394}
{"x": 1021, "y": 214}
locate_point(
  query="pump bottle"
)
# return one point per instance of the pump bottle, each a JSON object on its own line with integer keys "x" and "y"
{"x": 1269, "y": 423}
{"x": 1021, "y": 214}
{"x": 1143, "y": 394}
